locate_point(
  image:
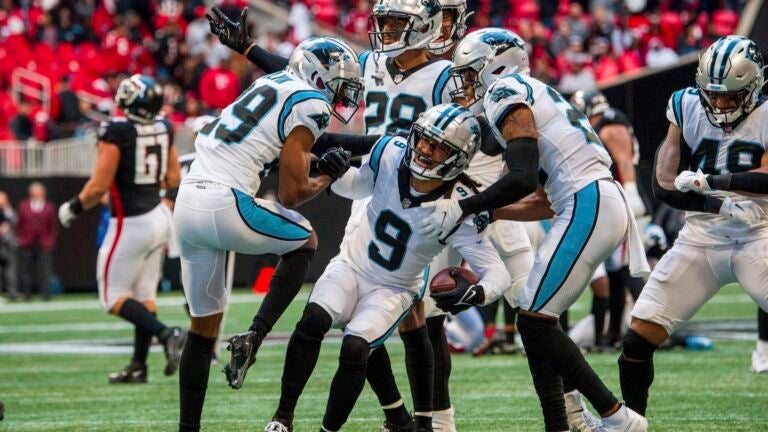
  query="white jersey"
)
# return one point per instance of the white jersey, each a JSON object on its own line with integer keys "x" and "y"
{"x": 716, "y": 152}
{"x": 244, "y": 143}
{"x": 484, "y": 169}
{"x": 386, "y": 247}
{"x": 570, "y": 152}
{"x": 394, "y": 99}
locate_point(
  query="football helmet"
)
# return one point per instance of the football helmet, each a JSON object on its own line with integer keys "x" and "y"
{"x": 418, "y": 23}
{"x": 140, "y": 98}
{"x": 330, "y": 66}
{"x": 449, "y": 127}
{"x": 457, "y": 9}
{"x": 590, "y": 103}
{"x": 731, "y": 69}
{"x": 482, "y": 57}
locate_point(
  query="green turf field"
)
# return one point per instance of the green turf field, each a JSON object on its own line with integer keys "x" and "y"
{"x": 50, "y": 380}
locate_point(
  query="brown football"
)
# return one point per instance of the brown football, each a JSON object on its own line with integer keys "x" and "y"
{"x": 443, "y": 281}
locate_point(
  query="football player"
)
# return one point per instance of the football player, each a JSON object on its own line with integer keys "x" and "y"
{"x": 379, "y": 275}
{"x": 719, "y": 128}
{"x": 616, "y": 133}
{"x": 135, "y": 158}
{"x": 276, "y": 119}
{"x": 541, "y": 130}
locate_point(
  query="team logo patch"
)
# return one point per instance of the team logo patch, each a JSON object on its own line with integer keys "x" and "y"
{"x": 322, "y": 120}
{"x": 502, "y": 93}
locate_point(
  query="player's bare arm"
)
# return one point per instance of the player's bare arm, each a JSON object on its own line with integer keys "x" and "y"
{"x": 618, "y": 142}
{"x": 173, "y": 171}
{"x": 295, "y": 186}
{"x": 534, "y": 207}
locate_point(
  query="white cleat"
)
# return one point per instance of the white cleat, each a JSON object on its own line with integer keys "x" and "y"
{"x": 580, "y": 419}
{"x": 625, "y": 420}
{"x": 276, "y": 426}
{"x": 443, "y": 421}
{"x": 759, "y": 362}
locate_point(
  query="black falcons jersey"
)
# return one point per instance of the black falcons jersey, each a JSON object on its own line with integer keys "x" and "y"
{"x": 143, "y": 163}
{"x": 613, "y": 116}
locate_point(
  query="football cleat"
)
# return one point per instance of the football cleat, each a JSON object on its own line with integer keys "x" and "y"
{"x": 131, "y": 374}
{"x": 580, "y": 419}
{"x": 2, "y": 411}
{"x": 390, "y": 427}
{"x": 172, "y": 346}
{"x": 279, "y": 425}
{"x": 243, "y": 348}
{"x": 443, "y": 421}
{"x": 759, "y": 362}
{"x": 625, "y": 420}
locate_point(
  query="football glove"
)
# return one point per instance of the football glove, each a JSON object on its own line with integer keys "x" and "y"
{"x": 334, "y": 162}
{"x": 69, "y": 211}
{"x": 445, "y": 215}
{"x": 464, "y": 296}
{"x": 634, "y": 200}
{"x": 232, "y": 34}
{"x": 748, "y": 212}
{"x": 689, "y": 181}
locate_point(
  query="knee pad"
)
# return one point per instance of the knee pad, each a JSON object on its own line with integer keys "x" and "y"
{"x": 314, "y": 323}
{"x": 354, "y": 351}
{"x": 636, "y": 347}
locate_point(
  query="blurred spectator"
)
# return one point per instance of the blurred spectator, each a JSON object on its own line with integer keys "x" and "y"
{"x": 215, "y": 52}
{"x": 658, "y": 55}
{"x": 300, "y": 20}
{"x": 7, "y": 248}
{"x": 69, "y": 111}
{"x": 36, "y": 230}
{"x": 355, "y": 23}
{"x": 602, "y": 23}
{"x": 690, "y": 41}
{"x": 577, "y": 20}
{"x": 197, "y": 32}
{"x": 580, "y": 77}
{"x": 604, "y": 60}
{"x": 219, "y": 86}
{"x": 21, "y": 123}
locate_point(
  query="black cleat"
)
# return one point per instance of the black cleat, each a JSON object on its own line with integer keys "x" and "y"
{"x": 391, "y": 427}
{"x": 243, "y": 348}
{"x": 132, "y": 374}
{"x": 173, "y": 345}
{"x": 2, "y": 411}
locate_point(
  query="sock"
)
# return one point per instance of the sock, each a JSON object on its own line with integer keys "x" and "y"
{"x": 599, "y": 308}
{"x": 489, "y": 312}
{"x": 558, "y": 349}
{"x": 301, "y": 357}
{"x": 441, "y": 395}
{"x": 286, "y": 282}
{"x": 382, "y": 381}
{"x": 636, "y": 371}
{"x": 138, "y": 315}
{"x": 420, "y": 364}
{"x": 510, "y": 318}
{"x": 142, "y": 340}
{"x": 194, "y": 368}
{"x": 348, "y": 382}
{"x": 616, "y": 298}
{"x": 564, "y": 321}
{"x": 549, "y": 388}
{"x": 762, "y": 325}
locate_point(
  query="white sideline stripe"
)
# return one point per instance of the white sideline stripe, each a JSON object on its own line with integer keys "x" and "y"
{"x": 56, "y": 328}
{"x": 94, "y": 304}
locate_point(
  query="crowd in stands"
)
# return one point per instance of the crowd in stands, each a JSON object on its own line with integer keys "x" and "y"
{"x": 61, "y": 60}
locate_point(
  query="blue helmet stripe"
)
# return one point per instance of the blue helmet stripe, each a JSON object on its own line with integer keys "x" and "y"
{"x": 724, "y": 60}
{"x": 713, "y": 60}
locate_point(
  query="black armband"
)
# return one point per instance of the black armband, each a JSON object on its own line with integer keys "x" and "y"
{"x": 265, "y": 60}
{"x": 171, "y": 194}
{"x": 75, "y": 205}
{"x": 522, "y": 157}
{"x": 489, "y": 144}
{"x": 358, "y": 145}
{"x": 755, "y": 182}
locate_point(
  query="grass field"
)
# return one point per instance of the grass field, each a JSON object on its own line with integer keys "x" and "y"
{"x": 55, "y": 357}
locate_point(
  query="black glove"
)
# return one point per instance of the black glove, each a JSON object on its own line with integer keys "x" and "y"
{"x": 334, "y": 162}
{"x": 232, "y": 34}
{"x": 461, "y": 298}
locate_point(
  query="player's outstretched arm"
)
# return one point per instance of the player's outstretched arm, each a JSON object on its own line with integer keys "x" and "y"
{"x": 534, "y": 207}
{"x": 103, "y": 175}
{"x": 754, "y": 182}
{"x": 357, "y": 145}
{"x": 672, "y": 158}
{"x": 235, "y": 36}
{"x": 295, "y": 187}
{"x": 522, "y": 156}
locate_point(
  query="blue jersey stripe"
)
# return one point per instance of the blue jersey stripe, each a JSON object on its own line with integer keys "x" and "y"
{"x": 380, "y": 340}
{"x": 378, "y": 150}
{"x": 292, "y": 100}
{"x": 265, "y": 222}
{"x": 442, "y": 80}
{"x": 677, "y": 107}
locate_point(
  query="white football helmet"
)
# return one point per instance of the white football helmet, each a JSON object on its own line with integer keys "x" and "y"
{"x": 330, "y": 66}
{"x": 421, "y": 21}
{"x": 482, "y": 57}
{"x": 451, "y": 127}
{"x": 730, "y": 67}
{"x": 457, "y": 9}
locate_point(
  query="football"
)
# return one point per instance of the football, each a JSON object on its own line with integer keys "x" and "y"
{"x": 443, "y": 281}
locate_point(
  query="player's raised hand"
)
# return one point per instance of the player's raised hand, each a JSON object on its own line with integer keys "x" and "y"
{"x": 689, "y": 181}
{"x": 445, "y": 215}
{"x": 461, "y": 298}
{"x": 232, "y": 34}
{"x": 748, "y": 212}
{"x": 334, "y": 162}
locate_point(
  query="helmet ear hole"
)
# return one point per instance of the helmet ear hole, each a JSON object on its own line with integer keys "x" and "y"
{"x": 319, "y": 83}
